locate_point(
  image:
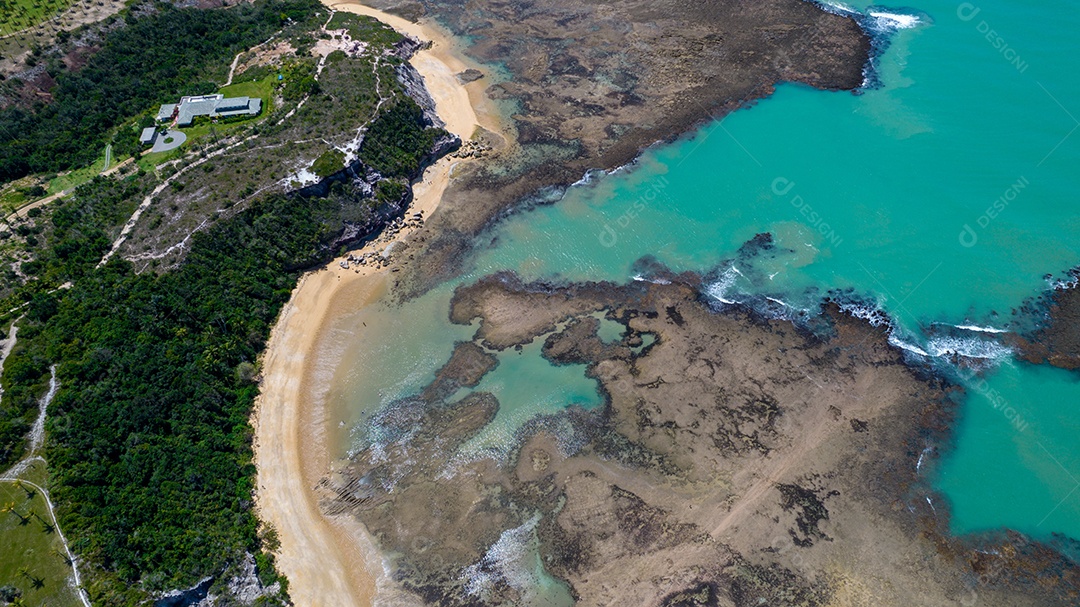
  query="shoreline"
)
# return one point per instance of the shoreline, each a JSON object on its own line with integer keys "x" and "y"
{"x": 332, "y": 560}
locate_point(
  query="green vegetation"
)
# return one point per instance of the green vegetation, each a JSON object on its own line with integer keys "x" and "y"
{"x": 148, "y": 439}
{"x": 329, "y": 163}
{"x": 263, "y": 89}
{"x": 33, "y": 562}
{"x": 71, "y": 179}
{"x": 184, "y": 45}
{"x": 398, "y": 140}
{"x": 362, "y": 27}
{"x": 80, "y": 231}
{"x": 16, "y": 15}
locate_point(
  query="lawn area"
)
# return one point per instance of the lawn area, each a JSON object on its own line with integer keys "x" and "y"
{"x": 16, "y": 15}
{"x": 263, "y": 89}
{"x": 32, "y": 558}
{"x": 150, "y": 160}
{"x": 70, "y": 179}
{"x": 17, "y": 193}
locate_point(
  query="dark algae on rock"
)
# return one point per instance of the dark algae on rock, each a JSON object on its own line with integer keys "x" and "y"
{"x": 588, "y": 86}
{"x": 738, "y": 460}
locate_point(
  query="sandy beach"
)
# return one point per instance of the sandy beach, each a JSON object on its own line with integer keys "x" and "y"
{"x": 331, "y": 561}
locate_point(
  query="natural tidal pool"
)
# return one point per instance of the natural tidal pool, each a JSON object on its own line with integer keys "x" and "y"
{"x": 944, "y": 197}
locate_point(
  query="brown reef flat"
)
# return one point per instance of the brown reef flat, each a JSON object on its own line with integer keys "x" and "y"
{"x": 589, "y": 85}
{"x": 1057, "y": 341}
{"x": 738, "y": 461}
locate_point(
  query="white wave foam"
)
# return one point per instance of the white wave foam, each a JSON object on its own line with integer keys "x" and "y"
{"x": 922, "y": 457}
{"x": 979, "y": 329}
{"x": 719, "y": 289}
{"x": 968, "y": 348}
{"x": 510, "y": 559}
{"x": 874, "y": 315}
{"x": 777, "y": 301}
{"x": 835, "y": 7}
{"x": 895, "y": 341}
{"x": 893, "y": 21}
{"x": 589, "y": 176}
{"x": 1064, "y": 284}
{"x": 655, "y": 281}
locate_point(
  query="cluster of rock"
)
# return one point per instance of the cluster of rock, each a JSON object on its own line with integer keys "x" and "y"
{"x": 243, "y": 587}
{"x": 473, "y": 149}
{"x": 381, "y": 259}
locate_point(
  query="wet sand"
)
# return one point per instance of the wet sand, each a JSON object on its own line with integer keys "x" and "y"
{"x": 330, "y": 560}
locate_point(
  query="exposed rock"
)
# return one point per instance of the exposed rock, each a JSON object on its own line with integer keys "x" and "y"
{"x": 723, "y": 469}
{"x": 593, "y": 84}
{"x": 469, "y": 75}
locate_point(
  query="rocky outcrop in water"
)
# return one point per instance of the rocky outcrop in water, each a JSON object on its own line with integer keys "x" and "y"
{"x": 738, "y": 460}
{"x": 592, "y": 84}
{"x": 1057, "y": 340}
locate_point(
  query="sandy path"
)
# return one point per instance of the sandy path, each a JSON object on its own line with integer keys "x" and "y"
{"x": 329, "y": 561}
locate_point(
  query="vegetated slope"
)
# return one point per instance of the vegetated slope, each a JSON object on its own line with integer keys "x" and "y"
{"x": 148, "y": 440}
{"x": 151, "y": 59}
{"x": 341, "y": 111}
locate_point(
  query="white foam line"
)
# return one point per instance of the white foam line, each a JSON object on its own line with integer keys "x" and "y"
{"x": 980, "y": 329}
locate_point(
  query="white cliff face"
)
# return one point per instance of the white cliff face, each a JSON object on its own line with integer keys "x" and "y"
{"x": 244, "y": 588}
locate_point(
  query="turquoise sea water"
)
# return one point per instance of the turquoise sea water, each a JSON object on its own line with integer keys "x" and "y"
{"x": 943, "y": 197}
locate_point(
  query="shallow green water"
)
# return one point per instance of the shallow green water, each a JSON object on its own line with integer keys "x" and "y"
{"x": 889, "y": 195}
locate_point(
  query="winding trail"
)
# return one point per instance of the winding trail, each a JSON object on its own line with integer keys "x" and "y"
{"x": 145, "y": 204}
{"x": 37, "y": 438}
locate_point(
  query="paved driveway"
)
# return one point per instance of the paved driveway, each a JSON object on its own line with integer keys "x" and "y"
{"x": 169, "y": 141}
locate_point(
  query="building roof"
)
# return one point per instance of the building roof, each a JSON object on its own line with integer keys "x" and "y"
{"x": 213, "y": 105}
{"x": 166, "y": 111}
{"x": 232, "y": 103}
{"x": 147, "y": 135}
{"x": 190, "y": 107}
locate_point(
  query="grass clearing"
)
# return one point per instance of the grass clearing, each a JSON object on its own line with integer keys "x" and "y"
{"x": 263, "y": 89}
{"x": 362, "y": 27}
{"x": 71, "y": 179}
{"x": 17, "y": 15}
{"x": 32, "y": 558}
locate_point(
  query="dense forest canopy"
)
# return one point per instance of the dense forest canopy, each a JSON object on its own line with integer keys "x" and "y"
{"x": 148, "y": 440}
{"x": 149, "y": 60}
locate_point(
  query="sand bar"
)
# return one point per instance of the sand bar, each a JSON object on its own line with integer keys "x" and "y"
{"x": 330, "y": 561}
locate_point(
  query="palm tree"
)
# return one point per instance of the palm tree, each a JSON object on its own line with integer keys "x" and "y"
{"x": 30, "y": 493}
{"x": 46, "y": 526}
{"x": 36, "y": 582}
{"x": 64, "y": 555}
{"x": 23, "y": 520}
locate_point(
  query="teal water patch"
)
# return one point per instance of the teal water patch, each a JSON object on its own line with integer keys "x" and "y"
{"x": 1016, "y": 462}
{"x": 609, "y": 331}
{"x": 515, "y": 560}
{"x": 943, "y": 197}
{"x": 527, "y": 385}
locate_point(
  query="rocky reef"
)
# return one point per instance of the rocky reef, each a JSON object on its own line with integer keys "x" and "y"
{"x": 588, "y": 86}
{"x": 738, "y": 460}
{"x": 1056, "y": 340}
